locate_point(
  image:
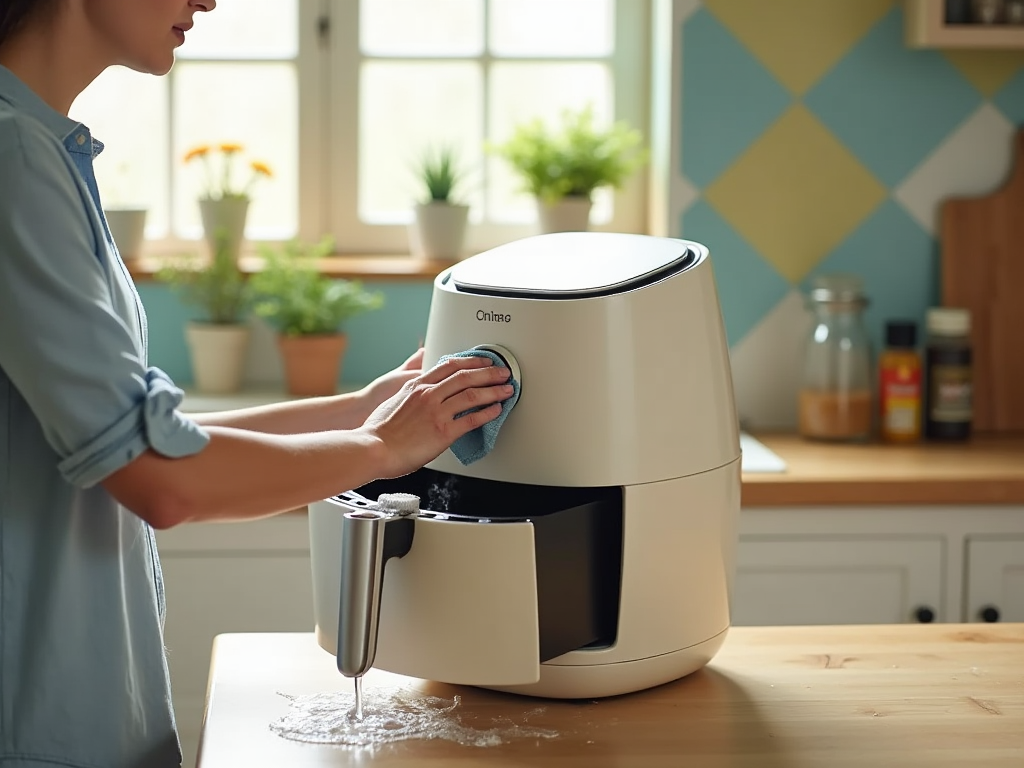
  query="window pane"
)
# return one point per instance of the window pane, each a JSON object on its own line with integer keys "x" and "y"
{"x": 127, "y": 111}
{"x": 255, "y": 105}
{"x": 552, "y": 27}
{"x": 405, "y": 108}
{"x": 421, "y": 27}
{"x": 245, "y": 29}
{"x": 523, "y": 91}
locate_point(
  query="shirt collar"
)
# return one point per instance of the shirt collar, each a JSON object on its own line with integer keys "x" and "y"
{"x": 19, "y": 95}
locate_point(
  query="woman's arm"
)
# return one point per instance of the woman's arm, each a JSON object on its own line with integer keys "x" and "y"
{"x": 320, "y": 414}
{"x": 245, "y": 474}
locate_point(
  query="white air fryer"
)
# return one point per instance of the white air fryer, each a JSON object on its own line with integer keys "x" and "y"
{"x": 591, "y": 552}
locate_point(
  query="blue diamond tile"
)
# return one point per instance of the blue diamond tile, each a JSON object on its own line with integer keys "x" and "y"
{"x": 898, "y": 261}
{"x": 1010, "y": 99}
{"x": 748, "y": 286}
{"x": 891, "y": 105}
{"x": 729, "y": 98}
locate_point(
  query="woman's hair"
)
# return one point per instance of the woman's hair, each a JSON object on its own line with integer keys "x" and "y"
{"x": 14, "y": 14}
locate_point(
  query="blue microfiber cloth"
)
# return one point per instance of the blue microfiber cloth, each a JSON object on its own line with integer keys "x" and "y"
{"x": 474, "y": 445}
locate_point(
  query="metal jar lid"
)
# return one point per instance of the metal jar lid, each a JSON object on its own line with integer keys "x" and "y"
{"x": 838, "y": 289}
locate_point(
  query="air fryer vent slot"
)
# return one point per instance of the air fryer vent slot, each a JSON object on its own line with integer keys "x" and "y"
{"x": 687, "y": 260}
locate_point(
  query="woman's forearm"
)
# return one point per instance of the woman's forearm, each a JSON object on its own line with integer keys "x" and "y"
{"x": 291, "y": 417}
{"x": 245, "y": 474}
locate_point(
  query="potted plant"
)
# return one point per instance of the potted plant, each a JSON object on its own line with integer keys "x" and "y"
{"x": 439, "y": 228}
{"x": 224, "y": 201}
{"x": 218, "y": 340}
{"x": 308, "y": 310}
{"x": 562, "y": 167}
{"x": 125, "y": 217}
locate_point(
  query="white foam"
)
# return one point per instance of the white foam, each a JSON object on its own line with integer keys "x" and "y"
{"x": 394, "y": 715}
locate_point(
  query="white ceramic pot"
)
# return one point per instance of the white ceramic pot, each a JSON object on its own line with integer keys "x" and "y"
{"x": 439, "y": 231}
{"x": 570, "y": 214}
{"x": 225, "y": 218}
{"x": 218, "y": 355}
{"x": 128, "y": 229}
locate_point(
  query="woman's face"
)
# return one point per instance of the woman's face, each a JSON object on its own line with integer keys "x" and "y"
{"x": 142, "y": 34}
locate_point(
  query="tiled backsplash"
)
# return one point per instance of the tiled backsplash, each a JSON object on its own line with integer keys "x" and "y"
{"x": 815, "y": 141}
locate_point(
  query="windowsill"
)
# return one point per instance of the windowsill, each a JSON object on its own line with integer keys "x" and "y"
{"x": 377, "y": 267}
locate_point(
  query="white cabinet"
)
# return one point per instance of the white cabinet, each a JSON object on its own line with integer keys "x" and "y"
{"x": 228, "y": 577}
{"x": 995, "y": 579}
{"x": 837, "y": 580}
{"x": 879, "y": 564}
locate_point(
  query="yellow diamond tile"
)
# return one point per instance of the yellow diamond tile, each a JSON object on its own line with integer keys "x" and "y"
{"x": 799, "y": 40}
{"x": 796, "y": 193}
{"x": 988, "y": 71}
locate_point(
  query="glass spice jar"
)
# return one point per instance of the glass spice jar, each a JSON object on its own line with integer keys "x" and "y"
{"x": 836, "y": 394}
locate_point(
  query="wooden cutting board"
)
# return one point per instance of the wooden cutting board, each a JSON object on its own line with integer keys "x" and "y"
{"x": 983, "y": 271}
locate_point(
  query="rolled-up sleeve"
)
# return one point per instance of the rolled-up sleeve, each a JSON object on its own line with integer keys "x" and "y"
{"x": 63, "y": 346}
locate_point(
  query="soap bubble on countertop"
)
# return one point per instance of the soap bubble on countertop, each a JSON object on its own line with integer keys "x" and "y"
{"x": 393, "y": 715}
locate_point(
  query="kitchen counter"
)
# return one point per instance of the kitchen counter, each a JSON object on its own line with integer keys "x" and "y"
{"x": 985, "y": 470}
{"x": 801, "y": 697}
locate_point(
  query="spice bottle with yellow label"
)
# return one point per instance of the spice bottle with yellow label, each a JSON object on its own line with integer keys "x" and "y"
{"x": 899, "y": 384}
{"x": 948, "y": 389}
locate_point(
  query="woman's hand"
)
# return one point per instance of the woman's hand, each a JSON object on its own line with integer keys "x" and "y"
{"x": 387, "y": 386}
{"x": 418, "y": 423}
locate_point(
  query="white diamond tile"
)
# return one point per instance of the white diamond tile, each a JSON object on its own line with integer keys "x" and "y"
{"x": 767, "y": 365}
{"x": 683, "y": 194}
{"x": 973, "y": 160}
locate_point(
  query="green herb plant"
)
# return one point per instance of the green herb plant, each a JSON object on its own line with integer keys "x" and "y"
{"x": 297, "y": 299}
{"x": 216, "y": 286}
{"x": 438, "y": 170}
{"x": 574, "y": 159}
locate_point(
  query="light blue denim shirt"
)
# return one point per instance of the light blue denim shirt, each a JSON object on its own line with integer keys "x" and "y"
{"x": 83, "y": 676}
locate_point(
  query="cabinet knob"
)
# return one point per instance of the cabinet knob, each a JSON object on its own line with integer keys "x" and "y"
{"x": 924, "y": 614}
{"x": 989, "y": 613}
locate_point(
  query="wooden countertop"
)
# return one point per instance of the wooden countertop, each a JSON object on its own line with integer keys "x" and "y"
{"x": 985, "y": 470}
{"x": 801, "y": 697}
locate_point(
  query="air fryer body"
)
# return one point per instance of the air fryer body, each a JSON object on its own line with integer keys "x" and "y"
{"x": 591, "y": 552}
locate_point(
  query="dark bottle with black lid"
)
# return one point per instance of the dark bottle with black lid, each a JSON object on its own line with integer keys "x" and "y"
{"x": 948, "y": 379}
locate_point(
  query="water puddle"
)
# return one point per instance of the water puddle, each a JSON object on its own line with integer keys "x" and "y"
{"x": 393, "y": 715}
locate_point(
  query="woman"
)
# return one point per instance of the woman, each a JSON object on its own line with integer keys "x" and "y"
{"x": 93, "y": 451}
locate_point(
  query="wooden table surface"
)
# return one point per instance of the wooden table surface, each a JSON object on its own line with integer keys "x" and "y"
{"x": 815, "y": 697}
{"x": 984, "y": 470}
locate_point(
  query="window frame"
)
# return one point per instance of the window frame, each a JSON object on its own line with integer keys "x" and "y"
{"x": 328, "y": 72}
{"x": 335, "y": 209}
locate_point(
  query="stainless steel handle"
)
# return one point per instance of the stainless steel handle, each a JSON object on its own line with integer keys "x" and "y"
{"x": 368, "y": 540}
{"x": 362, "y": 544}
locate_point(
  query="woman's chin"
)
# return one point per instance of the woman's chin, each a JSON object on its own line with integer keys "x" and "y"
{"x": 152, "y": 64}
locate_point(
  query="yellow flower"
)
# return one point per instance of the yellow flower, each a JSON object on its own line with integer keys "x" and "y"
{"x": 230, "y": 149}
{"x": 200, "y": 151}
{"x": 261, "y": 168}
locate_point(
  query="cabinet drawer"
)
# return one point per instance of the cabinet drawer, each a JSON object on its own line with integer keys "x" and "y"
{"x": 995, "y": 579}
{"x": 837, "y": 580}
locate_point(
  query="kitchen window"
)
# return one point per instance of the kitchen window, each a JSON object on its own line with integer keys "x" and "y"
{"x": 341, "y": 97}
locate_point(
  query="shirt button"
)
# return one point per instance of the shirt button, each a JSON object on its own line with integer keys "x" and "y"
{"x": 80, "y": 138}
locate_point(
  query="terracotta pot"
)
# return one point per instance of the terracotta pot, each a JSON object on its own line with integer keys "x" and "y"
{"x": 218, "y": 355}
{"x": 312, "y": 364}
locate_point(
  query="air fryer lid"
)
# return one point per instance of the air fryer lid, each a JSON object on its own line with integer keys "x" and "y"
{"x": 572, "y": 265}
